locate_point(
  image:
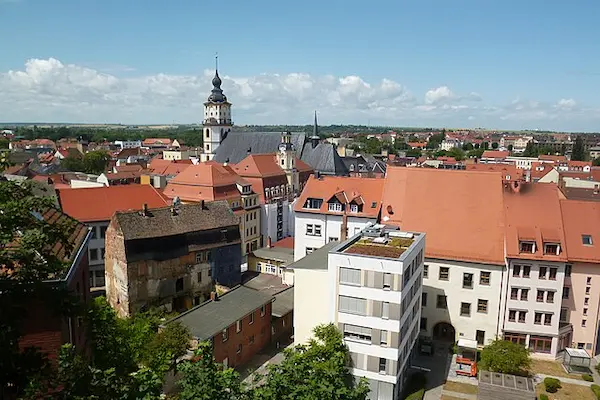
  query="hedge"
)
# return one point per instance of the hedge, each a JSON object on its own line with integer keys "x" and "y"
{"x": 543, "y": 396}
{"x": 552, "y": 385}
{"x": 587, "y": 377}
{"x": 596, "y": 389}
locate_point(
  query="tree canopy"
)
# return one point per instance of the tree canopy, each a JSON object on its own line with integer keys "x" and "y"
{"x": 505, "y": 357}
{"x": 93, "y": 162}
{"x": 578, "y": 153}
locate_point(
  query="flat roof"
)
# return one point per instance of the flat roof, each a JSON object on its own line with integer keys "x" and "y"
{"x": 281, "y": 254}
{"x": 392, "y": 247}
{"x": 497, "y": 386}
{"x": 315, "y": 260}
{"x": 211, "y": 317}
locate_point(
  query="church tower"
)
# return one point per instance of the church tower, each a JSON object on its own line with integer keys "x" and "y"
{"x": 217, "y": 118}
{"x": 286, "y": 159}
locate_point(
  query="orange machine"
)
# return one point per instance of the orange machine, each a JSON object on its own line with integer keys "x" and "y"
{"x": 466, "y": 357}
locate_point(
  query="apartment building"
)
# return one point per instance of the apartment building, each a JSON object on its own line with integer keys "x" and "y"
{"x": 536, "y": 258}
{"x": 95, "y": 207}
{"x": 333, "y": 208}
{"x": 171, "y": 257}
{"x": 371, "y": 289}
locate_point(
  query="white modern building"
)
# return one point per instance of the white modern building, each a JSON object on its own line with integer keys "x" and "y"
{"x": 370, "y": 289}
{"x": 128, "y": 144}
{"x": 333, "y": 208}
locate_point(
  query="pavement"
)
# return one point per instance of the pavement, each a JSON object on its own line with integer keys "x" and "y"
{"x": 436, "y": 369}
{"x": 260, "y": 363}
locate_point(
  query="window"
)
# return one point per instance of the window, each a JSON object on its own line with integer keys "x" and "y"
{"x": 484, "y": 278}
{"x": 551, "y": 248}
{"x": 526, "y": 271}
{"x": 333, "y": 239}
{"x": 310, "y": 229}
{"x": 424, "y": 299}
{"x": 444, "y": 273}
{"x": 385, "y": 310}
{"x": 251, "y": 318}
{"x": 353, "y": 208}
{"x": 482, "y": 306}
{"x": 568, "y": 268}
{"x": 423, "y": 324}
{"x": 313, "y": 203}
{"x": 540, "y": 296}
{"x": 587, "y": 291}
{"x": 537, "y": 318}
{"x": 514, "y": 293}
{"x": 512, "y": 315}
{"x": 309, "y": 250}
{"x": 586, "y": 301}
{"x": 441, "y": 301}
{"x": 199, "y": 277}
{"x": 425, "y": 271}
{"x": 387, "y": 281}
{"x": 589, "y": 280}
{"x": 225, "y": 335}
{"x": 524, "y": 294}
{"x": 350, "y": 276}
{"x": 93, "y": 254}
{"x": 262, "y": 311}
{"x": 467, "y": 281}
{"x": 199, "y": 257}
{"x": 540, "y": 344}
{"x": 526, "y": 247}
{"x": 179, "y": 285}
{"x": 586, "y": 240}
{"x": 516, "y": 271}
{"x": 337, "y": 207}
{"x": 352, "y": 305}
{"x": 358, "y": 333}
{"x": 553, "y": 272}
{"x": 583, "y": 323}
{"x": 239, "y": 349}
{"x": 465, "y": 309}
{"x": 317, "y": 230}
{"x": 382, "y": 365}
{"x": 516, "y": 338}
{"x": 251, "y": 340}
{"x": 103, "y": 232}
{"x": 94, "y": 234}
{"x": 238, "y": 326}
{"x": 585, "y": 311}
{"x": 564, "y": 315}
{"x": 547, "y": 319}
{"x": 566, "y": 292}
{"x": 383, "y": 340}
{"x": 522, "y": 316}
{"x": 550, "y": 297}
{"x": 543, "y": 272}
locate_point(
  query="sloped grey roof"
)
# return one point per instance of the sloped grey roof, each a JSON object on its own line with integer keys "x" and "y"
{"x": 324, "y": 158}
{"x": 211, "y": 317}
{"x": 234, "y": 148}
{"x": 284, "y": 302}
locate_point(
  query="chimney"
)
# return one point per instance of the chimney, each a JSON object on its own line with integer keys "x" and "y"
{"x": 145, "y": 209}
{"x": 214, "y": 296}
{"x": 173, "y": 211}
{"x": 202, "y": 204}
{"x": 268, "y": 242}
{"x": 317, "y": 175}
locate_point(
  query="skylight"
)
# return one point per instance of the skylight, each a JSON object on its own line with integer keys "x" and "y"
{"x": 586, "y": 240}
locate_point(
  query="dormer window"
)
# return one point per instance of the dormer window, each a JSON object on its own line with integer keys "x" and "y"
{"x": 526, "y": 246}
{"x": 586, "y": 240}
{"x": 552, "y": 249}
{"x": 354, "y": 208}
{"x": 336, "y": 207}
{"x": 313, "y": 204}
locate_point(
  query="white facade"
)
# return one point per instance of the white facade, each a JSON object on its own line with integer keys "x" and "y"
{"x": 277, "y": 221}
{"x": 217, "y": 124}
{"x": 128, "y": 144}
{"x": 522, "y": 162}
{"x": 531, "y": 306}
{"x": 449, "y": 286}
{"x": 96, "y": 253}
{"x": 449, "y": 144}
{"x": 311, "y": 296}
{"x": 312, "y": 231}
{"x": 80, "y": 183}
{"x": 551, "y": 177}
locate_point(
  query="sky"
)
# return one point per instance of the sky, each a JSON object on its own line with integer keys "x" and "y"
{"x": 511, "y": 64}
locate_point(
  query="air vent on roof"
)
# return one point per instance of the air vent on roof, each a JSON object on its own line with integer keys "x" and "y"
{"x": 400, "y": 234}
{"x": 381, "y": 240}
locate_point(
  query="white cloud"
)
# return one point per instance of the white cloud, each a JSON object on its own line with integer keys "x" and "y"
{"x": 52, "y": 91}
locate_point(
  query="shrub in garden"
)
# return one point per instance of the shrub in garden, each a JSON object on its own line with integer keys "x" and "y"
{"x": 543, "y": 396}
{"x": 596, "y": 390}
{"x": 552, "y": 385}
{"x": 587, "y": 377}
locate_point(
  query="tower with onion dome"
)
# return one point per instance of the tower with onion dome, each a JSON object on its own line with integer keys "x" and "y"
{"x": 217, "y": 118}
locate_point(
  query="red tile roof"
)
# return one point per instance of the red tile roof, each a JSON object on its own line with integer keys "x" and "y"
{"x": 265, "y": 165}
{"x": 159, "y": 166}
{"x": 581, "y": 218}
{"x": 365, "y": 190}
{"x": 204, "y": 181}
{"x": 157, "y": 141}
{"x": 539, "y": 170}
{"x": 286, "y": 243}
{"x": 534, "y": 213}
{"x": 495, "y": 154}
{"x": 516, "y": 174}
{"x": 129, "y": 168}
{"x": 545, "y": 157}
{"x": 99, "y": 204}
{"x": 460, "y": 211}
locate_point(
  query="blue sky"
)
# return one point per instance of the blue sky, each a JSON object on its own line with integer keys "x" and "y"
{"x": 523, "y": 61}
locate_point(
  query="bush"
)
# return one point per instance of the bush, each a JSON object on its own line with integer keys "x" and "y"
{"x": 587, "y": 377}
{"x": 552, "y": 385}
{"x": 505, "y": 357}
{"x": 543, "y": 396}
{"x": 416, "y": 395}
{"x": 596, "y": 390}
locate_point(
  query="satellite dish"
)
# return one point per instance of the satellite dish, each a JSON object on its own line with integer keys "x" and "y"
{"x": 176, "y": 201}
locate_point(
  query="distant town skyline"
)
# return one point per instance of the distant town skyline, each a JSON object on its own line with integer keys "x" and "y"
{"x": 510, "y": 65}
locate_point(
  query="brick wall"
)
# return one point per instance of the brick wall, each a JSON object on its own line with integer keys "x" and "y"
{"x": 115, "y": 267}
{"x": 260, "y": 329}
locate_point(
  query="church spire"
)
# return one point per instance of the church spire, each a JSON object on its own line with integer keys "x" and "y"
{"x": 316, "y": 126}
{"x": 216, "y": 94}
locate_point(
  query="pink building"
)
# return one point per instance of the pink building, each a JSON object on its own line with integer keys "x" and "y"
{"x": 581, "y": 294}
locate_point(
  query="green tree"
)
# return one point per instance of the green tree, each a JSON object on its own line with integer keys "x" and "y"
{"x": 413, "y": 153}
{"x": 26, "y": 263}
{"x": 494, "y": 145}
{"x": 596, "y": 162}
{"x": 4, "y": 143}
{"x": 171, "y": 342}
{"x": 475, "y": 153}
{"x": 4, "y": 160}
{"x": 457, "y": 153}
{"x": 467, "y": 146}
{"x": 510, "y": 147}
{"x": 318, "y": 370}
{"x": 485, "y": 145}
{"x": 440, "y": 153}
{"x": 505, "y": 357}
{"x": 578, "y": 153}
{"x": 530, "y": 151}
{"x": 95, "y": 162}
{"x": 204, "y": 379}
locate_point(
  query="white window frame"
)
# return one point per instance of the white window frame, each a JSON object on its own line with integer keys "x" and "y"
{"x": 335, "y": 207}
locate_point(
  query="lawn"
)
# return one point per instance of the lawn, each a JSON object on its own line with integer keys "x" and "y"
{"x": 568, "y": 392}
{"x": 460, "y": 387}
{"x": 551, "y": 368}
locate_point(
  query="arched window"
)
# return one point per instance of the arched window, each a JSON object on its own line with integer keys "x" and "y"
{"x": 207, "y": 132}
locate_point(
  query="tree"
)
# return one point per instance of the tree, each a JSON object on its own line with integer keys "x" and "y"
{"x": 4, "y": 143}
{"x": 457, "y": 153}
{"x": 172, "y": 342}
{"x": 578, "y": 153}
{"x": 95, "y": 162}
{"x": 26, "y": 263}
{"x": 505, "y": 357}
{"x": 467, "y": 146}
{"x": 485, "y": 145}
{"x": 318, "y": 370}
{"x": 440, "y": 153}
{"x": 475, "y": 153}
{"x": 413, "y": 153}
{"x": 204, "y": 379}
{"x": 530, "y": 151}
{"x": 4, "y": 161}
{"x": 510, "y": 147}
{"x": 494, "y": 145}
{"x": 596, "y": 162}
